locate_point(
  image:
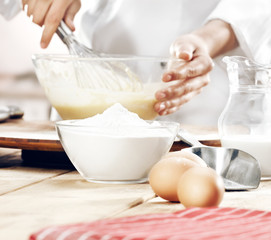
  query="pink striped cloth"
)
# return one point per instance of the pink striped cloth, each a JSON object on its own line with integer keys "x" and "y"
{"x": 188, "y": 224}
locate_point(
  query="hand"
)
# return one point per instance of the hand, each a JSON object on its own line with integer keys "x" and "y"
{"x": 49, "y": 13}
{"x": 188, "y": 76}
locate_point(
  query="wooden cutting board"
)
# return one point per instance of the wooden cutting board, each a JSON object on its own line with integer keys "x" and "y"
{"x": 42, "y": 136}
{"x": 29, "y": 135}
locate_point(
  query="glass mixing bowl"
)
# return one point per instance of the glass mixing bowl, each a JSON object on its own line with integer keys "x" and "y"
{"x": 116, "y": 155}
{"x": 82, "y": 87}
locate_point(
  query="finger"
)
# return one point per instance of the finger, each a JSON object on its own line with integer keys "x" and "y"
{"x": 70, "y": 13}
{"x": 47, "y": 34}
{"x": 181, "y": 88}
{"x": 185, "y": 51}
{"x": 30, "y": 8}
{"x": 52, "y": 21}
{"x": 173, "y": 65}
{"x": 182, "y": 50}
{"x": 175, "y": 104}
{"x": 24, "y": 3}
{"x": 172, "y": 75}
{"x": 40, "y": 11}
{"x": 200, "y": 65}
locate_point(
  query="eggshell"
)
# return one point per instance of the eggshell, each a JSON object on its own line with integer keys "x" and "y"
{"x": 187, "y": 154}
{"x": 200, "y": 187}
{"x": 165, "y": 174}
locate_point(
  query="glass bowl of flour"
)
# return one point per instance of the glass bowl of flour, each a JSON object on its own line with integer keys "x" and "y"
{"x": 83, "y": 87}
{"x": 116, "y": 146}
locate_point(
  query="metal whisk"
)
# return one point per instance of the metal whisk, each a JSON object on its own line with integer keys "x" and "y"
{"x": 97, "y": 73}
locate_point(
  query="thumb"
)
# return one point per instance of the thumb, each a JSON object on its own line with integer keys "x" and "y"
{"x": 183, "y": 51}
{"x": 70, "y": 13}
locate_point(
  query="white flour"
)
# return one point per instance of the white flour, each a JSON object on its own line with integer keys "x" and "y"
{"x": 114, "y": 116}
{"x": 118, "y": 121}
{"x": 116, "y": 146}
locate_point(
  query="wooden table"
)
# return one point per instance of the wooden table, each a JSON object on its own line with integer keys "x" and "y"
{"x": 33, "y": 198}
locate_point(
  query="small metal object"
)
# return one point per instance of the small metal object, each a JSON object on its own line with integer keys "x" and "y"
{"x": 7, "y": 112}
{"x": 15, "y": 112}
{"x": 240, "y": 170}
{"x": 4, "y": 113}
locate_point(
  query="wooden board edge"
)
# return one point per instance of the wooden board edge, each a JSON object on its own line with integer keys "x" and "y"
{"x": 31, "y": 144}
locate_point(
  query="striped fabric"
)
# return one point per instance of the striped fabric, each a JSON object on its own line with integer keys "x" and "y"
{"x": 188, "y": 224}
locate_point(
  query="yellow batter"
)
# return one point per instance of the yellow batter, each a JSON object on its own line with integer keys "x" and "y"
{"x": 82, "y": 103}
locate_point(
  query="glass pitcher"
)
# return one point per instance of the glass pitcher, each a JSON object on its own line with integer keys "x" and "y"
{"x": 245, "y": 122}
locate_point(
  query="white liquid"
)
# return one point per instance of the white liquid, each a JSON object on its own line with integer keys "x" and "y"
{"x": 116, "y": 146}
{"x": 258, "y": 146}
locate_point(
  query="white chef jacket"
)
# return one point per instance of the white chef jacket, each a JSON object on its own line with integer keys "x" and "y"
{"x": 9, "y": 8}
{"x": 148, "y": 27}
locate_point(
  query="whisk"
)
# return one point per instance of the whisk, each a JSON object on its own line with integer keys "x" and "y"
{"x": 97, "y": 73}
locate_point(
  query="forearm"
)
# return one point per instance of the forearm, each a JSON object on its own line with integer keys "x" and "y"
{"x": 218, "y": 37}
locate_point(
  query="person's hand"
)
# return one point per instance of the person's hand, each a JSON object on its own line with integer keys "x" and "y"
{"x": 188, "y": 76}
{"x": 49, "y": 13}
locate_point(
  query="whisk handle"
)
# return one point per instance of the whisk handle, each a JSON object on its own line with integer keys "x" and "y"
{"x": 63, "y": 31}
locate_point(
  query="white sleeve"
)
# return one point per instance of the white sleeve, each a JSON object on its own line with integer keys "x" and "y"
{"x": 9, "y": 8}
{"x": 251, "y": 22}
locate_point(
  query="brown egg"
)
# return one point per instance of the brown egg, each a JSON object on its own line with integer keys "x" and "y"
{"x": 200, "y": 187}
{"x": 165, "y": 174}
{"x": 187, "y": 154}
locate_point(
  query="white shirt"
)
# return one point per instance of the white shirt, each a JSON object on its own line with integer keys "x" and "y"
{"x": 20, "y": 39}
{"x": 9, "y": 8}
{"x": 148, "y": 27}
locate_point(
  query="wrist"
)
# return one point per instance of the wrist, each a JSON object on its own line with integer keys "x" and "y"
{"x": 218, "y": 37}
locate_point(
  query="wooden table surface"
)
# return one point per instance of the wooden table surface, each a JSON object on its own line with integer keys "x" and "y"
{"x": 33, "y": 198}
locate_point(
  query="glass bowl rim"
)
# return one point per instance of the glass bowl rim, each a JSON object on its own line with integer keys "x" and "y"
{"x": 164, "y": 124}
{"x": 103, "y": 57}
